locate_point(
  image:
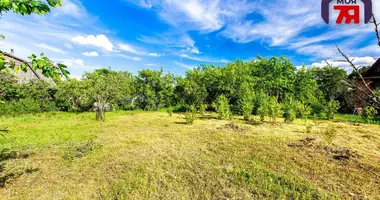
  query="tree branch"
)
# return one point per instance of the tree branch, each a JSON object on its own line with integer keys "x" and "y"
{"x": 376, "y": 28}
{"x": 372, "y": 93}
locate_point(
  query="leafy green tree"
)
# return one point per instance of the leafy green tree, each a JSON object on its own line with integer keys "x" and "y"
{"x": 330, "y": 80}
{"x": 38, "y": 90}
{"x": 191, "y": 114}
{"x": 302, "y": 110}
{"x": 154, "y": 89}
{"x": 103, "y": 87}
{"x": 222, "y": 107}
{"x": 9, "y": 89}
{"x": 274, "y": 108}
{"x": 246, "y": 100}
{"x": 332, "y": 108}
{"x": 290, "y": 107}
{"x": 71, "y": 95}
{"x": 368, "y": 113}
{"x": 261, "y": 105}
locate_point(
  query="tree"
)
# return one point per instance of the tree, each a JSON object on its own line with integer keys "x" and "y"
{"x": 103, "y": 87}
{"x": 246, "y": 101}
{"x": 330, "y": 80}
{"x": 154, "y": 89}
{"x": 38, "y": 90}
{"x": 332, "y": 108}
{"x": 290, "y": 107}
{"x": 261, "y": 105}
{"x": 274, "y": 108}
{"x": 71, "y": 94}
{"x": 222, "y": 107}
{"x": 27, "y": 7}
{"x": 368, "y": 113}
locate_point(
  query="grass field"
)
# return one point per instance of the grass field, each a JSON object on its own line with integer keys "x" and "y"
{"x": 140, "y": 155}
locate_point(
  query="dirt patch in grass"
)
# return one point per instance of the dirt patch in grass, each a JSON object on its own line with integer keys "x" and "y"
{"x": 307, "y": 142}
{"x": 340, "y": 153}
{"x": 233, "y": 127}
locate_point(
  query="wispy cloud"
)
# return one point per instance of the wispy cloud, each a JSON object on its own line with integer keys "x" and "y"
{"x": 185, "y": 65}
{"x": 203, "y": 59}
{"x": 50, "y": 48}
{"x": 91, "y": 54}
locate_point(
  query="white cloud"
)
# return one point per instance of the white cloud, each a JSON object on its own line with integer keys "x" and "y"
{"x": 68, "y": 46}
{"x": 73, "y": 8}
{"x": 151, "y": 64}
{"x": 134, "y": 58}
{"x": 193, "y": 50}
{"x": 185, "y": 65}
{"x": 50, "y": 48}
{"x": 202, "y": 59}
{"x": 358, "y": 61}
{"x": 73, "y": 62}
{"x": 100, "y": 41}
{"x": 131, "y": 49}
{"x": 156, "y": 54}
{"x": 91, "y": 54}
{"x": 205, "y": 16}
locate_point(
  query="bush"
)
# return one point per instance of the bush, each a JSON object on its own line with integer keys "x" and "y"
{"x": 274, "y": 108}
{"x": 191, "y": 115}
{"x": 368, "y": 113}
{"x": 22, "y": 106}
{"x": 246, "y": 106}
{"x": 332, "y": 108}
{"x": 222, "y": 107}
{"x": 202, "y": 109}
{"x": 289, "y": 111}
{"x": 170, "y": 111}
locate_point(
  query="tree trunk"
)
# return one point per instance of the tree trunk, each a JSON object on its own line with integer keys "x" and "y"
{"x": 100, "y": 114}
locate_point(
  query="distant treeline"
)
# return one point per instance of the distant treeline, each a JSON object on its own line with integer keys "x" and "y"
{"x": 247, "y": 87}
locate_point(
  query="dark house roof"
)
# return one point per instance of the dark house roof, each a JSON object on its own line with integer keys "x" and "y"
{"x": 373, "y": 73}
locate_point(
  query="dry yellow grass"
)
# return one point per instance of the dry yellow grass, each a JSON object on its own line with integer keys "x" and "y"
{"x": 154, "y": 156}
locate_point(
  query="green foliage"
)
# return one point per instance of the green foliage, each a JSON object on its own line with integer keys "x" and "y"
{"x": 368, "y": 113}
{"x": 191, "y": 115}
{"x": 154, "y": 89}
{"x": 202, "y": 109}
{"x": 71, "y": 96}
{"x": 21, "y": 106}
{"x": 103, "y": 88}
{"x": 332, "y": 108}
{"x": 47, "y": 67}
{"x": 28, "y": 7}
{"x": 246, "y": 100}
{"x": 330, "y": 80}
{"x": 222, "y": 107}
{"x": 290, "y": 110}
{"x": 273, "y": 108}
{"x": 261, "y": 105}
{"x": 170, "y": 111}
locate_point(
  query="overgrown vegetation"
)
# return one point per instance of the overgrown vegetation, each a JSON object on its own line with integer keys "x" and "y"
{"x": 240, "y": 88}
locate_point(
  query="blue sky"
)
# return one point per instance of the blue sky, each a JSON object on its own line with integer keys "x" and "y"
{"x": 181, "y": 34}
